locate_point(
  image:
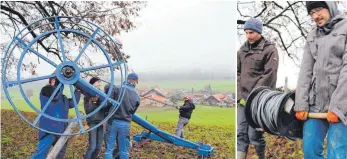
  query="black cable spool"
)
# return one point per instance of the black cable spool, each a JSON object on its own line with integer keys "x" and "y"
{"x": 289, "y": 126}
{"x": 265, "y": 108}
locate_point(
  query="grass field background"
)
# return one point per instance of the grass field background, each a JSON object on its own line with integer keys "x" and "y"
{"x": 209, "y": 125}
{"x": 217, "y": 85}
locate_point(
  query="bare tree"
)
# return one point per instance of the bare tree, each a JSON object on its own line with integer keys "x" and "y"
{"x": 285, "y": 23}
{"x": 115, "y": 17}
{"x": 175, "y": 98}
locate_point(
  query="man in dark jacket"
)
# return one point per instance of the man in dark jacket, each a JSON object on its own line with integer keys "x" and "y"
{"x": 185, "y": 113}
{"x": 322, "y": 83}
{"x": 96, "y": 135}
{"x": 58, "y": 108}
{"x": 257, "y": 64}
{"x": 118, "y": 126}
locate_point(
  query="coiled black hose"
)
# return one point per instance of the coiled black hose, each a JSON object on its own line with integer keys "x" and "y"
{"x": 265, "y": 108}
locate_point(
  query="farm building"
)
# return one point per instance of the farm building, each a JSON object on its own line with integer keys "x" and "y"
{"x": 216, "y": 99}
{"x": 142, "y": 89}
{"x": 155, "y": 97}
{"x": 198, "y": 98}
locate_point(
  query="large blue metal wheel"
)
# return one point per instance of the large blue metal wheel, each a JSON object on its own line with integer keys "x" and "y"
{"x": 68, "y": 72}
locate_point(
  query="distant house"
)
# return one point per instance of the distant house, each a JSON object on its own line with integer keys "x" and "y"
{"x": 155, "y": 97}
{"x": 142, "y": 89}
{"x": 216, "y": 99}
{"x": 229, "y": 101}
{"x": 198, "y": 98}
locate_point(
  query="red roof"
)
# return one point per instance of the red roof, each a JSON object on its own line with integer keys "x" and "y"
{"x": 143, "y": 88}
{"x": 156, "y": 98}
{"x": 158, "y": 91}
{"x": 218, "y": 97}
{"x": 198, "y": 95}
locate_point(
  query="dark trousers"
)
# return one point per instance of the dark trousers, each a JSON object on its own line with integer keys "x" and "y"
{"x": 247, "y": 135}
{"x": 45, "y": 144}
{"x": 95, "y": 142}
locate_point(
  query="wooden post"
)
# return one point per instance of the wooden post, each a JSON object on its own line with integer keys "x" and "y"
{"x": 61, "y": 142}
{"x": 286, "y": 84}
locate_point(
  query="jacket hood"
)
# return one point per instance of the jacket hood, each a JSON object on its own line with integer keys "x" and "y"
{"x": 333, "y": 10}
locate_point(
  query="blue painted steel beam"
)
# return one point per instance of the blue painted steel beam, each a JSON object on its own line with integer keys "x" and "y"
{"x": 86, "y": 45}
{"x": 159, "y": 135}
{"x": 13, "y": 83}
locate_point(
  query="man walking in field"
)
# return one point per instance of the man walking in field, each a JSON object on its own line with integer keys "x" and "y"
{"x": 322, "y": 83}
{"x": 185, "y": 113}
{"x": 257, "y": 64}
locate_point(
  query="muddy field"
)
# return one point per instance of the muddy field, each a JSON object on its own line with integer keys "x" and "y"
{"x": 19, "y": 140}
{"x": 279, "y": 148}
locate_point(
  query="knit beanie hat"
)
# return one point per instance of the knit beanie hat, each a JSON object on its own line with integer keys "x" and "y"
{"x": 254, "y": 24}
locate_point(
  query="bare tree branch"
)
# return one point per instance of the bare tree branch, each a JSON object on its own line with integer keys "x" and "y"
{"x": 114, "y": 17}
{"x": 280, "y": 36}
{"x": 29, "y": 28}
{"x": 280, "y": 14}
{"x": 61, "y": 8}
{"x": 52, "y": 7}
{"x": 42, "y": 8}
{"x": 241, "y": 13}
{"x": 262, "y": 11}
{"x": 281, "y": 19}
{"x": 298, "y": 22}
{"x": 276, "y": 4}
{"x": 293, "y": 41}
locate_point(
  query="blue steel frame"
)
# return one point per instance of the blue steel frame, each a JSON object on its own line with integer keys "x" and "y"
{"x": 75, "y": 80}
{"x": 159, "y": 135}
{"x": 154, "y": 133}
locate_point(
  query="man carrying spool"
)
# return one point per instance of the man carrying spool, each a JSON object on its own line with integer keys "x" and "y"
{"x": 118, "y": 126}
{"x": 257, "y": 64}
{"x": 322, "y": 83}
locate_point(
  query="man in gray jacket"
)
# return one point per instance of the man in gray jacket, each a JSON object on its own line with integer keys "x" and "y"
{"x": 118, "y": 126}
{"x": 322, "y": 83}
{"x": 257, "y": 64}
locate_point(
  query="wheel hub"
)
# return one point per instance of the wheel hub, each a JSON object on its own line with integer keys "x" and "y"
{"x": 68, "y": 71}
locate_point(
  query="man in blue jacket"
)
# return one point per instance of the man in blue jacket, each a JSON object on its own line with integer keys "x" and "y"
{"x": 118, "y": 126}
{"x": 58, "y": 108}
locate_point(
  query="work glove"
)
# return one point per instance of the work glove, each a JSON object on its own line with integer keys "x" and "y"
{"x": 242, "y": 102}
{"x": 301, "y": 115}
{"x": 93, "y": 99}
{"x": 332, "y": 117}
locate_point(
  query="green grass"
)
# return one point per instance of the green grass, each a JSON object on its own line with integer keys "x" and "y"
{"x": 217, "y": 85}
{"x": 23, "y": 106}
{"x": 210, "y": 125}
{"x": 16, "y": 144}
{"x": 205, "y": 115}
{"x": 202, "y": 115}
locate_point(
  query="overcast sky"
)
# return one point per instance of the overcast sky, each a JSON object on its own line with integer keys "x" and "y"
{"x": 186, "y": 35}
{"x": 177, "y": 36}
